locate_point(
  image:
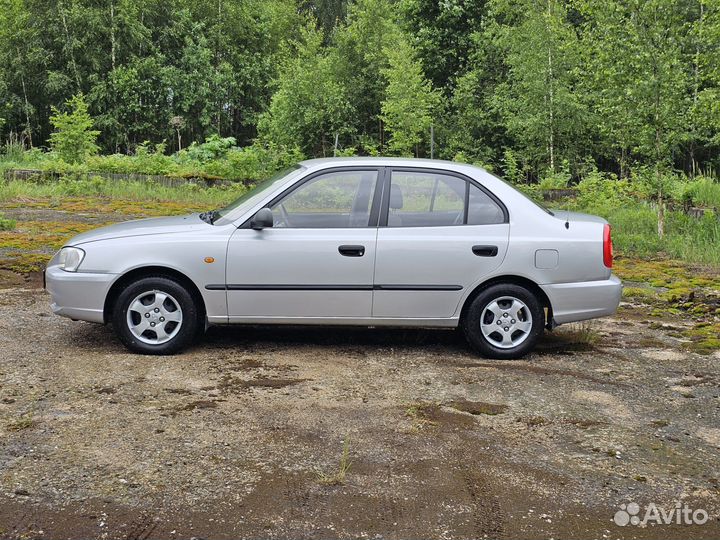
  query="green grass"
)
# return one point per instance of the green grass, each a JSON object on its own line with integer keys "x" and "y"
{"x": 687, "y": 238}
{"x": 6, "y": 224}
{"x": 703, "y": 192}
{"x": 337, "y": 477}
{"x": 205, "y": 197}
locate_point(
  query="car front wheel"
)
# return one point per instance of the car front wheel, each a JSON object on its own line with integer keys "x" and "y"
{"x": 504, "y": 321}
{"x": 155, "y": 315}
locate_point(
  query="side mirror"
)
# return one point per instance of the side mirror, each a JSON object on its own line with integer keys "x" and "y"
{"x": 262, "y": 219}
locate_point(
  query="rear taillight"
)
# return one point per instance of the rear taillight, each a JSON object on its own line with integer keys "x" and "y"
{"x": 607, "y": 247}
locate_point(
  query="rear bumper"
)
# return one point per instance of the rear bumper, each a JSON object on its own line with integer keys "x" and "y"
{"x": 78, "y": 295}
{"x": 573, "y": 302}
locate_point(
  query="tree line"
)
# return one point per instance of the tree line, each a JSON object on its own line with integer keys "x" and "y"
{"x": 525, "y": 87}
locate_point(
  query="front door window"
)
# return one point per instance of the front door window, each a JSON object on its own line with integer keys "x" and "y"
{"x": 335, "y": 200}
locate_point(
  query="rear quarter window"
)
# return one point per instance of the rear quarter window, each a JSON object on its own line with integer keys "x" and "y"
{"x": 482, "y": 209}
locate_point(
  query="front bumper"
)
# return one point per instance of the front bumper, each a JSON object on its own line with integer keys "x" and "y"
{"x": 78, "y": 295}
{"x": 572, "y": 302}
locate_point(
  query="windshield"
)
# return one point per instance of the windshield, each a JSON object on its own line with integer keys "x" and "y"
{"x": 245, "y": 201}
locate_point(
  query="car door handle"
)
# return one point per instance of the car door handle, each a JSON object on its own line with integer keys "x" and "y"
{"x": 485, "y": 251}
{"x": 352, "y": 251}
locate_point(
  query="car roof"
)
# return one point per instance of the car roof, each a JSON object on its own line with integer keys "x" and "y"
{"x": 323, "y": 163}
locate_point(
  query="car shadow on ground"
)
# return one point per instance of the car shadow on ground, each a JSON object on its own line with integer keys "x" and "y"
{"x": 451, "y": 340}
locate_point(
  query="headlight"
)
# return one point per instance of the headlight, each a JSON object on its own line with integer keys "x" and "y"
{"x": 70, "y": 258}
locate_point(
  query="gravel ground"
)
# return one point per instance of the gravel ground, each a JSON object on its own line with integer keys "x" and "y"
{"x": 241, "y": 436}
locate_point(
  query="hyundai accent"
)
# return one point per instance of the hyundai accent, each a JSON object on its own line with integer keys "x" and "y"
{"x": 346, "y": 241}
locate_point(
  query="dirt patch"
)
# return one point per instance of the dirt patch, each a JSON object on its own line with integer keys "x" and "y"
{"x": 199, "y": 404}
{"x": 585, "y": 424}
{"x": 229, "y": 383}
{"x": 11, "y": 280}
{"x": 179, "y": 391}
{"x": 477, "y": 407}
{"x": 426, "y": 416}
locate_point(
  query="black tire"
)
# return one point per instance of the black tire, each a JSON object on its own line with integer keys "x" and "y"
{"x": 488, "y": 347}
{"x": 180, "y": 335}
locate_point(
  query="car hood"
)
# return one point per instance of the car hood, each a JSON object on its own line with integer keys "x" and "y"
{"x": 141, "y": 227}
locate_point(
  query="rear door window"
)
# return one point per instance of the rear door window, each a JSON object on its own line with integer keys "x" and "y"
{"x": 426, "y": 199}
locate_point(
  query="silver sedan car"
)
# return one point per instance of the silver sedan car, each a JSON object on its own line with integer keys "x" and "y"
{"x": 347, "y": 241}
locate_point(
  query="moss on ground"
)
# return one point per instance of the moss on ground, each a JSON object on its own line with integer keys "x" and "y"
{"x": 673, "y": 288}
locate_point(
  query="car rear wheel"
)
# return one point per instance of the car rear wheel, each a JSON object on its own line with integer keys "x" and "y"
{"x": 504, "y": 321}
{"x": 156, "y": 315}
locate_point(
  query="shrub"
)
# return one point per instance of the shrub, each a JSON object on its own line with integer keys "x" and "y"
{"x": 558, "y": 179}
{"x": 254, "y": 162}
{"x": 213, "y": 148}
{"x": 513, "y": 173}
{"x": 73, "y": 139}
{"x": 151, "y": 159}
{"x": 601, "y": 192}
{"x": 650, "y": 184}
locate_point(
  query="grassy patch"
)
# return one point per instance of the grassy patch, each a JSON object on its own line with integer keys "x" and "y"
{"x": 421, "y": 415}
{"x": 704, "y": 337}
{"x": 44, "y": 235}
{"x": 100, "y": 205}
{"x": 337, "y": 477}
{"x": 22, "y": 262}
{"x": 640, "y": 293}
{"x": 24, "y": 422}
{"x": 192, "y": 195}
{"x": 6, "y": 224}
{"x": 582, "y": 333}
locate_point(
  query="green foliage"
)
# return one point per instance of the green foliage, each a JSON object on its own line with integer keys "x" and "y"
{"x": 214, "y": 147}
{"x": 557, "y": 179}
{"x": 73, "y": 139}
{"x": 311, "y": 104}
{"x": 470, "y": 125}
{"x": 600, "y": 193}
{"x": 512, "y": 170}
{"x": 442, "y": 32}
{"x": 640, "y": 51}
{"x": 359, "y": 56}
{"x": 540, "y": 109}
{"x": 632, "y": 88}
{"x": 143, "y": 192}
{"x": 255, "y": 162}
{"x": 702, "y": 191}
{"x": 218, "y": 160}
{"x": 14, "y": 151}
{"x": 653, "y": 183}
{"x": 635, "y": 233}
{"x": 409, "y": 103}
{"x": 6, "y": 224}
